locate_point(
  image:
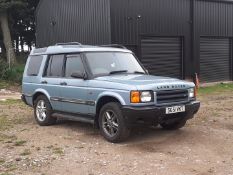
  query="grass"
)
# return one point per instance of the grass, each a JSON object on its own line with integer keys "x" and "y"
{"x": 7, "y": 138}
{"x": 11, "y": 102}
{"x": 5, "y": 123}
{"x": 26, "y": 152}
{"x": 20, "y": 143}
{"x": 216, "y": 88}
{"x": 10, "y": 167}
{"x": 58, "y": 151}
{"x": 2, "y": 161}
{"x": 4, "y": 84}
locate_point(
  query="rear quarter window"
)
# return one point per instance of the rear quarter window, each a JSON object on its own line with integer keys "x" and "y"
{"x": 34, "y": 65}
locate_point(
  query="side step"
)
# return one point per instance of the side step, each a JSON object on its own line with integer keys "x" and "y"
{"x": 75, "y": 117}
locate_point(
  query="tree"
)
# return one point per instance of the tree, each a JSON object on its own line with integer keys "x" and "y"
{"x": 23, "y": 25}
{"x": 5, "y": 7}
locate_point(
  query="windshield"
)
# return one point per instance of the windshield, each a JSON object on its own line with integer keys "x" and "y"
{"x": 106, "y": 63}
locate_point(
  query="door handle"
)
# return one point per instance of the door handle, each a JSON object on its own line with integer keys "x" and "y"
{"x": 63, "y": 83}
{"x": 44, "y": 82}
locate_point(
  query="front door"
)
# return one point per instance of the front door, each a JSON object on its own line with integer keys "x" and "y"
{"x": 74, "y": 90}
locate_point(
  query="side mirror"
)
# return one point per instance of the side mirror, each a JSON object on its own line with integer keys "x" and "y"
{"x": 79, "y": 75}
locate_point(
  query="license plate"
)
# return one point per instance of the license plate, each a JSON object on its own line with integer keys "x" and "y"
{"x": 175, "y": 109}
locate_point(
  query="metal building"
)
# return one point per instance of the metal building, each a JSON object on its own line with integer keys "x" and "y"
{"x": 176, "y": 38}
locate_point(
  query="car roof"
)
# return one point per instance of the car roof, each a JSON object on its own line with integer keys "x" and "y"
{"x": 65, "y": 49}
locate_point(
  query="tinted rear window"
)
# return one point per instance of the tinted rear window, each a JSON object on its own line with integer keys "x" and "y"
{"x": 34, "y": 65}
{"x": 55, "y": 66}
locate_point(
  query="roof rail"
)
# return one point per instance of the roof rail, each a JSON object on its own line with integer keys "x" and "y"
{"x": 69, "y": 43}
{"x": 114, "y": 45}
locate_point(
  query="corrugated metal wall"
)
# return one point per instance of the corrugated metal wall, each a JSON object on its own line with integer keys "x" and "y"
{"x": 139, "y": 18}
{"x": 214, "y": 59}
{"x": 213, "y": 19}
{"x": 136, "y": 17}
{"x": 88, "y": 21}
{"x": 163, "y": 56}
{"x": 85, "y": 21}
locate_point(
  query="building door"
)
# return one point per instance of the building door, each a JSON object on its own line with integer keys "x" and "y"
{"x": 215, "y": 59}
{"x": 163, "y": 56}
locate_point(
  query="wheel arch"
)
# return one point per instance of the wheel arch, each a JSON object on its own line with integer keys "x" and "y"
{"x": 38, "y": 93}
{"x": 104, "y": 99}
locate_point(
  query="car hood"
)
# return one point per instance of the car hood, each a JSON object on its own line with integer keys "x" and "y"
{"x": 147, "y": 81}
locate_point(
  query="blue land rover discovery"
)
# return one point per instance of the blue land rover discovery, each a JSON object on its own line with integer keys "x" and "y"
{"x": 105, "y": 86}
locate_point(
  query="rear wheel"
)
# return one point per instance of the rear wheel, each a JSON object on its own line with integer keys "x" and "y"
{"x": 112, "y": 123}
{"x": 43, "y": 111}
{"x": 173, "y": 125}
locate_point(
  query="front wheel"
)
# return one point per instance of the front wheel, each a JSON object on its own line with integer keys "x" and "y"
{"x": 112, "y": 123}
{"x": 173, "y": 125}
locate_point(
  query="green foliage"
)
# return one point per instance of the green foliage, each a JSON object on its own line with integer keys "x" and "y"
{"x": 20, "y": 143}
{"x": 3, "y": 69}
{"x": 7, "y": 4}
{"x": 14, "y": 74}
{"x": 23, "y": 23}
{"x": 223, "y": 87}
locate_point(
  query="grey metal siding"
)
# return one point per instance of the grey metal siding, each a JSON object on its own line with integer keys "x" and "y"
{"x": 133, "y": 19}
{"x": 86, "y": 21}
{"x": 215, "y": 56}
{"x": 211, "y": 18}
{"x": 163, "y": 56}
{"x": 127, "y": 22}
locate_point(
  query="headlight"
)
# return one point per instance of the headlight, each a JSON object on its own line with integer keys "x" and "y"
{"x": 191, "y": 93}
{"x": 141, "y": 96}
{"x": 146, "y": 96}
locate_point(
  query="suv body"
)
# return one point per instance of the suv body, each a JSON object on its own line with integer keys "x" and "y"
{"x": 105, "y": 86}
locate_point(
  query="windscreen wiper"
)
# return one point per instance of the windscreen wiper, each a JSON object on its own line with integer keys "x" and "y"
{"x": 118, "y": 71}
{"x": 137, "y": 72}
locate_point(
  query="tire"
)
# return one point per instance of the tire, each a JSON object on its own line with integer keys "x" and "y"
{"x": 173, "y": 125}
{"x": 46, "y": 119}
{"x": 112, "y": 123}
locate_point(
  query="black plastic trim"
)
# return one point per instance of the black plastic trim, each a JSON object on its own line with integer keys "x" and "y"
{"x": 86, "y": 118}
{"x": 156, "y": 115}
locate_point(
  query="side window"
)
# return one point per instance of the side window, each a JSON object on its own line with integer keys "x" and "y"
{"x": 73, "y": 64}
{"x": 34, "y": 65}
{"x": 55, "y": 66}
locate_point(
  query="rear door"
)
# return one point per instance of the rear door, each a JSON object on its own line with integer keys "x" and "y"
{"x": 52, "y": 78}
{"x": 74, "y": 90}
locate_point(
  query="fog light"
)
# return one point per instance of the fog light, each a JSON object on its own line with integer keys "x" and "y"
{"x": 191, "y": 93}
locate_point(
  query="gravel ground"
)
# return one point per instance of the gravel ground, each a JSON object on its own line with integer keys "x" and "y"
{"x": 204, "y": 146}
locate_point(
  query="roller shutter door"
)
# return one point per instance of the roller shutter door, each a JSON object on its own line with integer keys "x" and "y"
{"x": 214, "y": 59}
{"x": 162, "y": 56}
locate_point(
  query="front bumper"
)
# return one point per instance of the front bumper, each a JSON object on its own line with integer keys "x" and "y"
{"x": 155, "y": 115}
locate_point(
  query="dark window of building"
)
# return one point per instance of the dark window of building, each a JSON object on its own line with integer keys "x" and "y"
{"x": 55, "y": 66}
{"x": 34, "y": 65}
{"x": 73, "y": 64}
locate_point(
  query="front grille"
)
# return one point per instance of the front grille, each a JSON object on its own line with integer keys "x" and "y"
{"x": 172, "y": 96}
